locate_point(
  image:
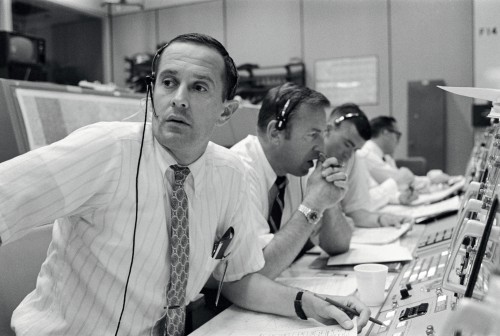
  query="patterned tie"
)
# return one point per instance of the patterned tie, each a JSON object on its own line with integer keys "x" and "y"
{"x": 179, "y": 255}
{"x": 278, "y": 204}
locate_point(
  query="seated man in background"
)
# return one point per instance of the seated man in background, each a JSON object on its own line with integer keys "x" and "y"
{"x": 289, "y": 139}
{"x": 378, "y": 153}
{"x": 347, "y": 130}
{"x": 387, "y": 192}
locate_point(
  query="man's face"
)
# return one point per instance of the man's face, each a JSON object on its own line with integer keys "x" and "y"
{"x": 392, "y": 138}
{"x": 342, "y": 141}
{"x": 188, "y": 99}
{"x": 305, "y": 140}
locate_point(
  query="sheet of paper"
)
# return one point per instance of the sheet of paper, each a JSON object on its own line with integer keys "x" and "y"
{"x": 425, "y": 211}
{"x": 330, "y": 285}
{"x": 365, "y": 253}
{"x": 378, "y": 236}
{"x": 334, "y": 330}
{"x": 439, "y": 195}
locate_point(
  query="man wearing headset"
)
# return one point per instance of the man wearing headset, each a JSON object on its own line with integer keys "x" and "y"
{"x": 290, "y": 128}
{"x": 141, "y": 210}
{"x": 347, "y": 131}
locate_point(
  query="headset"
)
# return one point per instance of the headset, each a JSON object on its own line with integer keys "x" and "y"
{"x": 150, "y": 79}
{"x": 345, "y": 117}
{"x": 282, "y": 117}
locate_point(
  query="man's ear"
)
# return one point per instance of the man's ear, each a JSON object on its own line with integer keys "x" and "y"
{"x": 230, "y": 107}
{"x": 273, "y": 134}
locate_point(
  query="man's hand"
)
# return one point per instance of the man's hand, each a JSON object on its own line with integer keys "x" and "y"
{"x": 325, "y": 312}
{"x": 437, "y": 176}
{"x": 387, "y": 219}
{"x": 404, "y": 177}
{"x": 326, "y": 186}
{"x": 407, "y": 196}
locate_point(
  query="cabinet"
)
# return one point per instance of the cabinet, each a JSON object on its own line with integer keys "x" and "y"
{"x": 427, "y": 122}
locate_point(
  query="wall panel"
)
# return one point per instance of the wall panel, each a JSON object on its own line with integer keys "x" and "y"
{"x": 203, "y": 18}
{"x": 348, "y": 28}
{"x": 433, "y": 40}
{"x": 132, "y": 33}
{"x": 263, "y": 32}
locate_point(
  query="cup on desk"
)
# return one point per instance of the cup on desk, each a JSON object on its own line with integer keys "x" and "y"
{"x": 371, "y": 280}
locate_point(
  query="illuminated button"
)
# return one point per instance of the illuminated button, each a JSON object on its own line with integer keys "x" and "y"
{"x": 390, "y": 314}
{"x": 441, "y": 265}
{"x": 387, "y": 322}
{"x": 406, "y": 275}
{"x": 401, "y": 324}
{"x": 413, "y": 277}
{"x": 397, "y": 334}
{"x": 422, "y": 275}
{"x": 432, "y": 271}
{"x": 445, "y": 253}
{"x": 441, "y": 298}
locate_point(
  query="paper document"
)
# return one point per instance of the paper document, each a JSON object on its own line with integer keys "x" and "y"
{"x": 365, "y": 253}
{"x": 440, "y": 194}
{"x": 333, "y": 330}
{"x": 378, "y": 236}
{"x": 330, "y": 285}
{"x": 422, "y": 212}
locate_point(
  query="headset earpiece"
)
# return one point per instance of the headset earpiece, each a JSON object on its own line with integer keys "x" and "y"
{"x": 150, "y": 79}
{"x": 282, "y": 117}
{"x": 345, "y": 117}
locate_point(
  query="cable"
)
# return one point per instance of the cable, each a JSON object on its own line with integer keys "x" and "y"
{"x": 136, "y": 215}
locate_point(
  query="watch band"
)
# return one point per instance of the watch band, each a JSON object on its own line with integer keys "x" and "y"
{"x": 312, "y": 216}
{"x": 298, "y": 306}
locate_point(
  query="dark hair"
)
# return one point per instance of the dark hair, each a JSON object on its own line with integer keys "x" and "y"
{"x": 352, "y": 113}
{"x": 276, "y": 98}
{"x": 381, "y": 123}
{"x": 231, "y": 74}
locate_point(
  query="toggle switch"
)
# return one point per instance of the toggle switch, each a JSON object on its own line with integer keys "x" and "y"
{"x": 404, "y": 293}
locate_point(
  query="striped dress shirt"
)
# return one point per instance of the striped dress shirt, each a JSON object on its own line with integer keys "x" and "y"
{"x": 87, "y": 182}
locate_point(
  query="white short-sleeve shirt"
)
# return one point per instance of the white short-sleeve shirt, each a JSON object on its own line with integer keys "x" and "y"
{"x": 87, "y": 182}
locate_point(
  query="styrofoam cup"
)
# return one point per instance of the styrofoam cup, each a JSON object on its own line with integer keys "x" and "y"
{"x": 371, "y": 280}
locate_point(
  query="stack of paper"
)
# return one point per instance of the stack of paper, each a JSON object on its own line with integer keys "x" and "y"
{"x": 441, "y": 194}
{"x": 330, "y": 285}
{"x": 423, "y": 212}
{"x": 378, "y": 236}
{"x": 365, "y": 253}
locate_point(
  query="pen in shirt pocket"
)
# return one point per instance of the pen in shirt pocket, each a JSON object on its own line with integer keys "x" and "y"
{"x": 218, "y": 252}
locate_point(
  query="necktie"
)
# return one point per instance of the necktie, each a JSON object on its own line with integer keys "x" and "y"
{"x": 179, "y": 255}
{"x": 278, "y": 204}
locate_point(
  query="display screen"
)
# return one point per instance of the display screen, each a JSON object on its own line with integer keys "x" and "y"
{"x": 19, "y": 48}
{"x": 22, "y": 50}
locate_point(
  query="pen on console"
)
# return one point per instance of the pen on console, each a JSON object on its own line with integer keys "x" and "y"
{"x": 345, "y": 308}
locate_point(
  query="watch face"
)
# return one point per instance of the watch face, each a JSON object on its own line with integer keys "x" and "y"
{"x": 313, "y": 216}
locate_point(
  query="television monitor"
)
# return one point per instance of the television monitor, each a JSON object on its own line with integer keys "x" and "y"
{"x": 21, "y": 49}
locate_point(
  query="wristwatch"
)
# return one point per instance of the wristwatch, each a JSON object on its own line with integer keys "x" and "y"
{"x": 312, "y": 216}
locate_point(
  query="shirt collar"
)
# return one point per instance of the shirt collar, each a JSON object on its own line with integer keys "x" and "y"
{"x": 197, "y": 168}
{"x": 372, "y": 147}
{"x": 266, "y": 166}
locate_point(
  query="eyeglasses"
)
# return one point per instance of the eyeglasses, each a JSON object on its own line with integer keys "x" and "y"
{"x": 398, "y": 133}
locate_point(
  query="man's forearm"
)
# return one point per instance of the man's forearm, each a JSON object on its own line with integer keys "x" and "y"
{"x": 258, "y": 293}
{"x": 364, "y": 218}
{"x": 335, "y": 234}
{"x": 286, "y": 245}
